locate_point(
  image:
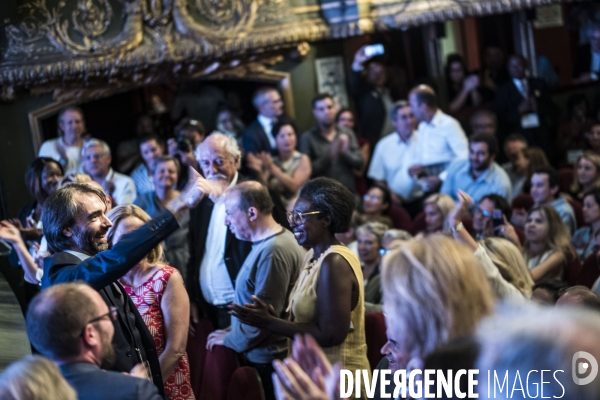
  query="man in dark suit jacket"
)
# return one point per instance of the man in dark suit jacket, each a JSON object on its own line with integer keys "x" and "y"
{"x": 76, "y": 227}
{"x": 71, "y": 324}
{"x": 587, "y": 60}
{"x": 373, "y": 98}
{"x": 257, "y": 137}
{"x": 523, "y": 105}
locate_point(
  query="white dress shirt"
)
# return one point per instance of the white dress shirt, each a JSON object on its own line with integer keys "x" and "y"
{"x": 215, "y": 281}
{"x": 519, "y": 83}
{"x": 267, "y": 125}
{"x": 49, "y": 149}
{"x": 124, "y": 192}
{"x": 391, "y": 159}
{"x": 440, "y": 141}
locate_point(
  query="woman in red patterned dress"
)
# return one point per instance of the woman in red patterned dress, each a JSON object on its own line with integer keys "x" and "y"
{"x": 159, "y": 295}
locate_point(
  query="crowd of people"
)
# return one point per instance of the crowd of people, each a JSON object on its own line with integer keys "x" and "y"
{"x": 464, "y": 228}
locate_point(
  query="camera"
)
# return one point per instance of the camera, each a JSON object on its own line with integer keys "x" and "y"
{"x": 184, "y": 144}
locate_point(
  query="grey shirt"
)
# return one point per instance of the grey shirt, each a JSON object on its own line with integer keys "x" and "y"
{"x": 269, "y": 272}
{"x": 566, "y": 212}
{"x": 340, "y": 167}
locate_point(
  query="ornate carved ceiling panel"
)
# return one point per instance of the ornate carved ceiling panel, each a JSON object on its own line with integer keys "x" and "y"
{"x": 89, "y": 43}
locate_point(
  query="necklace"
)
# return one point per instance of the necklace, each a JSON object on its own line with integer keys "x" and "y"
{"x": 314, "y": 262}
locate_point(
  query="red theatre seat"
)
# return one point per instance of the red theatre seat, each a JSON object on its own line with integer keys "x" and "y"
{"x": 400, "y": 218}
{"x": 578, "y": 209}
{"x": 590, "y": 271}
{"x": 565, "y": 179}
{"x": 196, "y": 351}
{"x": 573, "y": 270}
{"x": 375, "y": 335}
{"x": 221, "y": 363}
{"x": 418, "y": 224}
{"x": 245, "y": 385}
{"x": 522, "y": 201}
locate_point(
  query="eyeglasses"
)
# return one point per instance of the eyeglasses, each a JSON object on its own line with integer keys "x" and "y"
{"x": 485, "y": 213}
{"x": 298, "y": 218}
{"x": 112, "y": 314}
{"x": 367, "y": 197}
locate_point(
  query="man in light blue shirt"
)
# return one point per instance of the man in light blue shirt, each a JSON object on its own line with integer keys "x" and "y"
{"x": 479, "y": 175}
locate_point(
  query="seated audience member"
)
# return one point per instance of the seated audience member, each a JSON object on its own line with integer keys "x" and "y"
{"x": 345, "y": 119}
{"x": 229, "y": 123}
{"x": 392, "y": 235}
{"x": 165, "y": 174}
{"x": 547, "y": 292}
{"x": 34, "y": 378}
{"x": 484, "y": 121}
{"x": 75, "y": 227}
{"x": 72, "y": 325}
{"x": 516, "y": 167}
{"x": 579, "y": 296}
{"x": 547, "y": 248}
{"x": 150, "y": 149}
{"x": 259, "y": 137}
{"x": 584, "y": 238}
{"x": 437, "y": 207}
{"x": 479, "y": 175}
{"x": 534, "y": 158}
{"x": 370, "y": 244}
{"x": 189, "y": 133}
{"x": 333, "y": 151}
{"x": 376, "y": 203}
{"x": 525, "y": 107}
{"x": 269, "y": 273}
{"x": 96, "y": 163}
{"x": 544, "y": 191}
{"x": 500, "y": 275}
{"x": 288, "y": 170}
{"x": 216, "y": 255}
{"x": 159, "y": 295}
{"x": 32, "y": 273}
{"x": 586, "y": 174}
{"x": 66, "y": 149}
{"x": 440, "y": 139}
{"x": 593, "y": 138}
{"x": 392, "y": 159}
{"x": 463, "y": 90}
{"x": 348, "y": 238}
{"x": 373, "y": 96}
{"x": 328, "y": 300}
{"x": 518, "y": 341}
{"x": 483, "y": 224}
{"x": 587, "y": 62}
{"x": 508, "y": 258}
{"x": 571, "y": 138}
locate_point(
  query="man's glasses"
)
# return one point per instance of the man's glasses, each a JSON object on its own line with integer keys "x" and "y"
{"x": 298, "y": 218}
{"x": 112, "y": 314}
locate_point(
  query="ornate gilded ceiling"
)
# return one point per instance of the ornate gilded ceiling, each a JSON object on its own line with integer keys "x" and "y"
{"x": 75, "y": 43}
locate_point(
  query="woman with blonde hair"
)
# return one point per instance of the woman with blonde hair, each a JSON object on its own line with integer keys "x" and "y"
{"x": 434, "y": 291}
{"x": 510, "y": 263}
{"x": 370, "y": 243}
{"x": 436, "y": 209}
{"x": 158, "y": 293}
{"x": 586, "y": 174}
{"x": 547, "y": 248}
{"x": 34, "y": 378}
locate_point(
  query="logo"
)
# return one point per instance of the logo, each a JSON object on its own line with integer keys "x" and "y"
{"x": 581, "y": 368}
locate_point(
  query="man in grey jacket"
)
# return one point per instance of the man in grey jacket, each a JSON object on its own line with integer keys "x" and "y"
{"x": 269, "y": 272}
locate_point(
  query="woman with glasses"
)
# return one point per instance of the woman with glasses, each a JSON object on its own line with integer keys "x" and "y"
{"x": 158, "y": 293}
{"x": 376, "y": 203}
{"x": 328, "y": 299}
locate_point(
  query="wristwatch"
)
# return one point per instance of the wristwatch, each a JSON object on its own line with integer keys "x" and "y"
{"x": 458, "y": 227}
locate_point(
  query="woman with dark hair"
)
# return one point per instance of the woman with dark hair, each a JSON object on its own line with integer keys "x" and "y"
{"x": 572, "y": 133}
{"x": 376, "y": 202}
{"x": 462, "y": 89}
{"x": 584, "y": 238}
{"x": 328, "y": 299}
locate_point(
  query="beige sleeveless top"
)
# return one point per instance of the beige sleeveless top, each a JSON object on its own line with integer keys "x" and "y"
{"x": 352, "y": 353}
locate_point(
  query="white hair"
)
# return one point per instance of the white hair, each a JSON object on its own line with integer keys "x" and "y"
{"x": 229, "y": 142}
{"x": 96, "y": 142}
{"x": 528, "y": 337}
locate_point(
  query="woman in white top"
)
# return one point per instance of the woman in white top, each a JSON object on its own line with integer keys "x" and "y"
{"x": 547, "y": 248}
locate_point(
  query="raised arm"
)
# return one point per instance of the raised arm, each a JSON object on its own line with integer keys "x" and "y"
{"x": 299, "y": 177}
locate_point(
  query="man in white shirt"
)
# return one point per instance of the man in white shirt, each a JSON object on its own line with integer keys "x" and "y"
{"x": 96, "y": 163}
{"x": 440, "y": 139}
{"x": 257, "y": 137}
{"x": 66, "y": 149}
{"x": 394, "y": 154}
{"x": 216, "y": 255}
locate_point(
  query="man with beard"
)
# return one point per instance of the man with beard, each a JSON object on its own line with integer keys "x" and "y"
{"x": 75, "y": 226}
{"x": 333, "y": 151}
{"x": 479, "y": 175}
{"x": 72, "y": 326}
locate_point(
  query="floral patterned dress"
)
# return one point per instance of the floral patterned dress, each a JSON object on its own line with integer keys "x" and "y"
{"x": 147, "y": 299}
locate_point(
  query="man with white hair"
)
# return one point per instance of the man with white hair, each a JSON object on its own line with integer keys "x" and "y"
{"x": 543, "y": 352}
{"x": 96, "y": 163}
{"x": 257, "y": 137}
{"x": 216, "y": 254}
